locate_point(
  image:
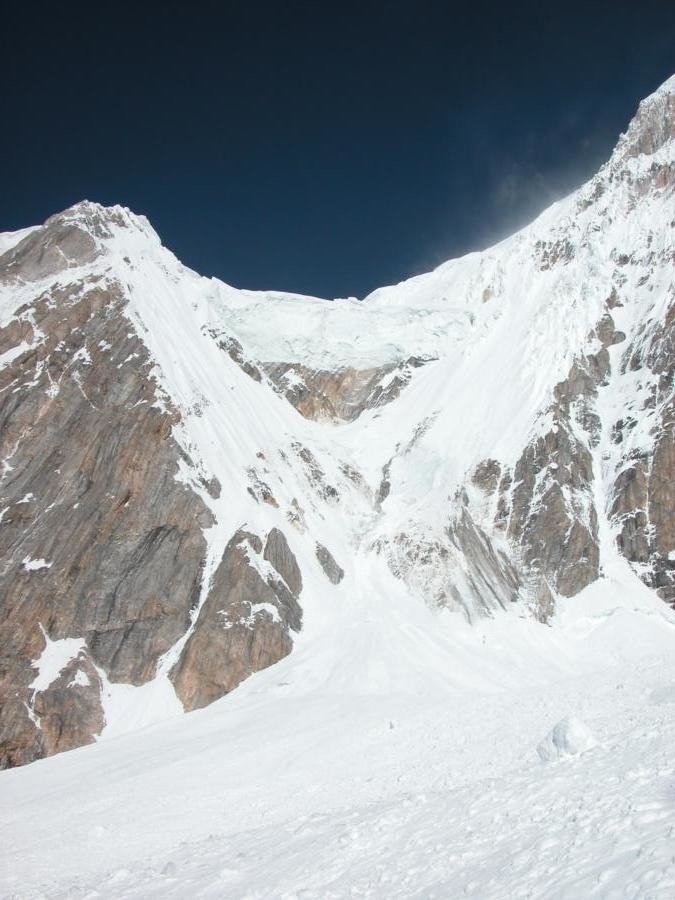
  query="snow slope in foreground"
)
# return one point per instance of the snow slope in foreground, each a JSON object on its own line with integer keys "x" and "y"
{"x": 354, "y": 786}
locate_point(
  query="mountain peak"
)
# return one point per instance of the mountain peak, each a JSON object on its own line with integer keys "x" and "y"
{"x": 73, "y": 238}
{"x": 102, "y": 221}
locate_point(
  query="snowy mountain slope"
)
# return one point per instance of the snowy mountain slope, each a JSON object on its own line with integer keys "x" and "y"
{"x": 9, "y": 239}
{"x": 199, "y": 481}
{"x": 160, "y": 513}
{"x": 427, "y": 786}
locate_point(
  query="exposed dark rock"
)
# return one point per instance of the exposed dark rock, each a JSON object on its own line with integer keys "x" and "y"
{"x": 550, "y": 253}
{"x": 296, "y": 516}
{"x": 315, "y": 474}
{"x": 651, "y": 127}
{"x": 629, "y": 509}
{"x": 63, "y": 715}
{"x": 235, "y": 351}
{"x": 491, "y": 576}
{"x": 607, "y": 333}
{"x": 278, "y": 553}
{"x": 342, "y": 394}
{"x": 552, "y": 520}
{"x": 643, "y": 496}
{"x": 385, "y": 484}
{"x": 543, "y": 601}
{"x": 69, "y": 710}
{"x": 260, "y": 490}
{"x": 58, "y": 245}
{"x": 486, "y": 475}
{"x": 461, "y": 569}
{"x": 334, "y": 573}
{"x": 612, "y": 300}
{"x": 662, "y": 510}
{"x": 244, "y": 624}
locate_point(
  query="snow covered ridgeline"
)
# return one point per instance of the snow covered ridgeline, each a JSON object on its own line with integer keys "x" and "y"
{"x": 216, "y": 478}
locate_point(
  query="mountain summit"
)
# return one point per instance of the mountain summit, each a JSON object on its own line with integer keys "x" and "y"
{"x": 199, "y": 480}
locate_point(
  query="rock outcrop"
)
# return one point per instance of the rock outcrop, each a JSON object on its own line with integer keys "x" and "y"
{"x": 333, "y": 572}
{"x": 69, "y": 711}
{"x": 245, "y": 622}
{"x": 344, "y": 394}
{"x": 552, "y": 518}
{"x": 643, "y": 492}
{"x": 460, "y": 569}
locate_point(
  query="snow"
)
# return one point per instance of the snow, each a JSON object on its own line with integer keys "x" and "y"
{"x": 80, "y": 679}
{"x": 34, "y": 565}
{"x": 8, "y": 357}
{"x": 128, "y": 708}
{"x": 9, "y": 239}
{"x": 285, "y": 789}
{"x": 569, "y": 737}
{"x": 53, "y": 659}
{"x": 83, "y": 356}
{"x": 267, "y": 608}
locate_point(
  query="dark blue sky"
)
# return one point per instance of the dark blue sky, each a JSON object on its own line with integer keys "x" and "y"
{"x": 325, "y": 148}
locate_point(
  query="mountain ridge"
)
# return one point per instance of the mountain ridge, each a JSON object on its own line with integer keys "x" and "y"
{"x": 189, "y": 467}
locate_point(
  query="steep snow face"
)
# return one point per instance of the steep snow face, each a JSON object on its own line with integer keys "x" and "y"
{"x": 498, "y": 332}
{"x": 526, "y": 345}
{"x": 505, "y": 441}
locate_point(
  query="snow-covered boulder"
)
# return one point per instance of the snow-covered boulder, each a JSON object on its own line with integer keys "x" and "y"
{"x": 569, "y": 737}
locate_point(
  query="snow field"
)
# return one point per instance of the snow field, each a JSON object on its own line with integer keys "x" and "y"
{"x": 272, "y": 794}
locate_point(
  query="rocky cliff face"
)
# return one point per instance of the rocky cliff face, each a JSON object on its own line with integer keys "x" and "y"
{"x": 191, "y": 472}
{"x": 342, "y": 394}
{"x": 246, "y": 622}
{"x": 643, "y": 493}
{"x": 101, "y": 540}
